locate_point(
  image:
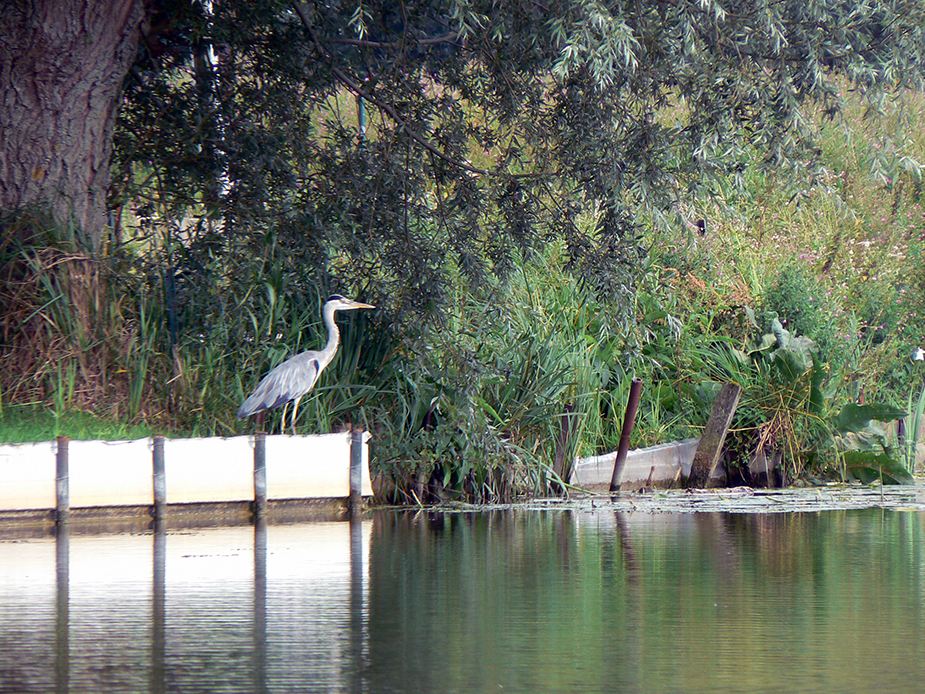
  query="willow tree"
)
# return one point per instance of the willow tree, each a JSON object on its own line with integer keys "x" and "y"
{"x": 62, "y": 67}
{"x": 490, "y": 127}
{"x": 492, "y": 124}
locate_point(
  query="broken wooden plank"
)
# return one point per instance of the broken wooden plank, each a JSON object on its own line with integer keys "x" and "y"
{"x": 711, "y": 443}
{"x": 562, "y": 445}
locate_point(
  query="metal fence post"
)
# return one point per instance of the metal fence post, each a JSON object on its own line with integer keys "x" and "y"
{"x": 159, "y": 479}
{"x": 355, "y": 500}
{"x": 62, "y": 483}
{"x": 260, "y": 474}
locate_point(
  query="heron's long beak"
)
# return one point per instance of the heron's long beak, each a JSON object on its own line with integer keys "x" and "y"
{"x": 357, "y": 304}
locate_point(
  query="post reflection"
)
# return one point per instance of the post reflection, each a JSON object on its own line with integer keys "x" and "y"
{"x": 629, "y": 582}
{"x": 109, "y": 621}
{"x": 260, "y": 605}
{"x": 62, "y": 609}
{"x": 158, "y": 609}
{"x": 357, "y": 629}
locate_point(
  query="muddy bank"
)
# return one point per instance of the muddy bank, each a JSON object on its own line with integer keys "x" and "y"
{"x": 734, "y": 500}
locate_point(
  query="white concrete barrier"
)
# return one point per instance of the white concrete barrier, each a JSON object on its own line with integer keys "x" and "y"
{"x": 100, "y": 471}
{"x": 201, "y": 470}
{"x": 297, "y": 471}
{"x": 27, "y": 476}
{"x": 211, "y": 469}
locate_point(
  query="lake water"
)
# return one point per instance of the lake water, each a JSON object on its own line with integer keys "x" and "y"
{"x": 507, "y": 601}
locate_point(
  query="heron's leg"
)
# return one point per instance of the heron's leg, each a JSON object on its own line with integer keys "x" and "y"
{"x": 282, "y": 419}
{"x": 295, "y": 408}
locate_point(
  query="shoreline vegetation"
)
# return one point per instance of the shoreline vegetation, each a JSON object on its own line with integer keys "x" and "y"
{"x": 810, "y": 296}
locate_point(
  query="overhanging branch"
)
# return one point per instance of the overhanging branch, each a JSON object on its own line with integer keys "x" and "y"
{"x": 432, "y": 41}
{"x": 354, "y": 87}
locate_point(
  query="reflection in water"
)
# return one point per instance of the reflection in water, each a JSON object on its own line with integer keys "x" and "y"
{"x": 260, "y": 604}
{"x": 158, "y": 610}
{"x": 62, "y": 582}
{"x": 357, "y": 631}
{"x": 554, "y": 601}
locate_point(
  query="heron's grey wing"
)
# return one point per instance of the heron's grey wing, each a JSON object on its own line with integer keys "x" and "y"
{"x": 294, "y": 377}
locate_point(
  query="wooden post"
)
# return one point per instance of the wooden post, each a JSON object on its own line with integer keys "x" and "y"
{"x": 260, "y": 474}
{"x": 62, "y": 483}
{"x": 629, "y": 419}
{"x": 159, "y": 479}
{"x": 565, "y": 431}
{"x": 711, "y": 443}
{"x": 355, "y": 500}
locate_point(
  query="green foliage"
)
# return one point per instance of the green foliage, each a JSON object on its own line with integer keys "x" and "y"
{"x": 854, "y": 419}
{"x": 779, "y": 409}
{"x": 801, "y": 302}
{"x": 913, "y": 424}
{"x": 852, "y": 240}
{"x": 867, "y": 452}
{"x": 868, "y": 467}
{"x": 483, "y": 396}
{"x": 855, "y": 237}
{"x": 790, "y": 404}
{"x": 489, "y": 129}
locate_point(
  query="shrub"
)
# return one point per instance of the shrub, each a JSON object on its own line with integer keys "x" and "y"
{"x": 804, "y": 307}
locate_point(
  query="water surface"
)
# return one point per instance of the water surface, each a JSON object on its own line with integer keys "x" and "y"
{"x": 518, "y": 601}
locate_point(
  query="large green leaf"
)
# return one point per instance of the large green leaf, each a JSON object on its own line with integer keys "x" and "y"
{"x": 795, "y": 359}
{"x": 868, "y": 467}
{"x": 763, "y": 344}
{"x": 817, "y": 395}
{"x": 854, "y": 418}
{"x": 781, "y": 333}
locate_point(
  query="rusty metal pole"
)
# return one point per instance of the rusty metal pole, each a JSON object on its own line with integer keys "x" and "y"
{"x": 629, "y": 419}
{"x": 62, "y": 482}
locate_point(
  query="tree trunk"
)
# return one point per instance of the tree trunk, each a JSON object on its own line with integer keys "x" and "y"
{"x": 62, "y": 63}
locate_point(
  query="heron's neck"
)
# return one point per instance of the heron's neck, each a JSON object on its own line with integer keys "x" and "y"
{"x": 333, "y": 333}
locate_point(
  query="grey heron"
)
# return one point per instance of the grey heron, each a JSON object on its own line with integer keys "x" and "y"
{"x": 296, "y": 376}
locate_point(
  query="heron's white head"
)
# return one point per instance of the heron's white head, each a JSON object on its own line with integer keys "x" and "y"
{"x": 336, "y": 302}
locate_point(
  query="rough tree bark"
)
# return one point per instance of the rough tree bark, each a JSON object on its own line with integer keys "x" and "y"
{"x": 62, "y": 63}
